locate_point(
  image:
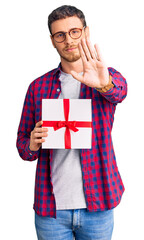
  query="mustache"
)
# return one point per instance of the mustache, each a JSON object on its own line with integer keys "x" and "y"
{"x": 70, "y": 46}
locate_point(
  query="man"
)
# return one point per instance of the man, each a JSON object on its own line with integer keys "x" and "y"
{"x": 75, "y": 190}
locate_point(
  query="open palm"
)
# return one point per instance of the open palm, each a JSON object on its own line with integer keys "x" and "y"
{"x": 95, "y": 72}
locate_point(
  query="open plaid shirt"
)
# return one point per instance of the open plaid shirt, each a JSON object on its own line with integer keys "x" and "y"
{"x": 103, "y": 187}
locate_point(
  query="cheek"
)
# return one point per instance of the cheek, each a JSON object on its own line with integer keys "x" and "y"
{"x": 52, "y": 42}
{"x": 59, "y": 49}
{"x": 79, "y": 40}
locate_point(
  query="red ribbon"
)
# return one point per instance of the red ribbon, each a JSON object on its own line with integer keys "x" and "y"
{"x": 69, "y": 125}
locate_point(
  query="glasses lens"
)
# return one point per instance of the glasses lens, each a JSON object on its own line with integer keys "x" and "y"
{"x": 75, "y": 33}
{"x": 59, "y": 37}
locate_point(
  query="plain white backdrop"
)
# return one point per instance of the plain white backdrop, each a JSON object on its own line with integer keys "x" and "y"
{"x": 27, "y": 53}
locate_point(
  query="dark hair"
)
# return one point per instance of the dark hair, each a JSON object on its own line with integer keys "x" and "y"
{"x": 64, "y": 12}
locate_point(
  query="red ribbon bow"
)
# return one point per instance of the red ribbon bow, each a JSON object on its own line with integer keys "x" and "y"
{"x": 69, "y": 125}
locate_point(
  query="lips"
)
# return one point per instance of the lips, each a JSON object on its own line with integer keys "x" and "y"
{"x": 70, "y": 49}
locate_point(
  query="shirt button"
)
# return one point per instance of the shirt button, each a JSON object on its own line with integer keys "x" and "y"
{"x": 58, "y": 89}
{"x": 30, "y": 154}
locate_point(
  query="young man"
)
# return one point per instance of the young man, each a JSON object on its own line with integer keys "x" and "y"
{"x": 75, "y": 190}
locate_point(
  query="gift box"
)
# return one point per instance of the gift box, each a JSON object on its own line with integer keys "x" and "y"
{"x": 69, "y": 123}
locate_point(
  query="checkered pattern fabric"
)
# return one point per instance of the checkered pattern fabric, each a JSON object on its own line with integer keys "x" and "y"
{"x": 103, "y": 187}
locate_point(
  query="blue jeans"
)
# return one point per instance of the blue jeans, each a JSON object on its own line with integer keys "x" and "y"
{"x": 76, "y": 224}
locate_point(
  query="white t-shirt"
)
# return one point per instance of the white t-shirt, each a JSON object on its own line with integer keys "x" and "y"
{"x": 66, "y": 166}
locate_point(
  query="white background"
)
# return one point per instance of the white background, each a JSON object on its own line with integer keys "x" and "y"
{"x": 27, "y": 53}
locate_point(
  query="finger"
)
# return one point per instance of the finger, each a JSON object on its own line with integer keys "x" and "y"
{"x": 82, "y": 53}
{"x": 90, "y": 46}
{"x": 87, "y": 32}
{"x": 77, "y": 76}
{"x": 41, "y": 140}
{"x": 99, "y": 55}
{"x": 40, "y": 129}
{"x": 38, "y": 124}
{"x": 85, "y": 50}
{"x": 39, "y": 135}
{"x": 91, "y": 49}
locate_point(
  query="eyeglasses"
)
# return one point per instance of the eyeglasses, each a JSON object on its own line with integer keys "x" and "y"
{"x": 74, "y": 33}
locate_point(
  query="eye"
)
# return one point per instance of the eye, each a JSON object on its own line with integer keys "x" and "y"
{"x": 59, "y": 35}
{"x": 75, "y": 31}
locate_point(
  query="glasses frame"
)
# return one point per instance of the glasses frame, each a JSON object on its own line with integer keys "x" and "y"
{"x": 66, "y": 33}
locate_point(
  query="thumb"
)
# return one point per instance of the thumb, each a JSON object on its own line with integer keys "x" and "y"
{"x": 77, "y": 76}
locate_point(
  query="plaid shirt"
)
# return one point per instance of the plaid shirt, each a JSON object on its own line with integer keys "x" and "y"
{"x": 103, "y": 187}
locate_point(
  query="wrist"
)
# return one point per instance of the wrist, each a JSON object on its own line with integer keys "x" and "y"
{"x": 107, "y": 87}
{"x": 33, "y": 148}
{"x": 29, "y": 151}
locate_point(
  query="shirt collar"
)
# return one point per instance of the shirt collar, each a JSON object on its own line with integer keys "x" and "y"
{"x": 58, "y": 69}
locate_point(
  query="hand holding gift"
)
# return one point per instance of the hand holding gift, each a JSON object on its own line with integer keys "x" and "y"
{"x": 36, "y": 136}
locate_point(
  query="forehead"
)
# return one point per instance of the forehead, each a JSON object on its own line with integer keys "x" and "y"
{"x": 66, "y": 24}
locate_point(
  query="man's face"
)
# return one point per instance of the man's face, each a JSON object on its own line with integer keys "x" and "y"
{"x": 68, "y": 49}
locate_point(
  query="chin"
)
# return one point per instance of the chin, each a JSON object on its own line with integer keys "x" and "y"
{"x": 71, "y": 58}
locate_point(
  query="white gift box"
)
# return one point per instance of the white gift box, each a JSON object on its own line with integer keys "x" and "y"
{"x": 69, "y": 123}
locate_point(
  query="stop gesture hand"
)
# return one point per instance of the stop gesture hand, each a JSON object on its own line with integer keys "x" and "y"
{"x": 95, "y": 72}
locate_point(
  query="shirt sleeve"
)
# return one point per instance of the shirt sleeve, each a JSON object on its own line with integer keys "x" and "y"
{"x": 118, "y": 93}
{"x": 27, "y": 124}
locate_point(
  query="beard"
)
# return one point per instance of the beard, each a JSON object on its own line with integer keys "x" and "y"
{"x": 72, "y": 57}
{"x": 69, "y": 56}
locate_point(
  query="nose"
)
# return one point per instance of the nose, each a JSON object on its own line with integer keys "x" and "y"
{"x": 68, "y": 39}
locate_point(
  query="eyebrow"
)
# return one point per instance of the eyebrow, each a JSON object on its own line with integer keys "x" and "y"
{"x": 68, "y": 30}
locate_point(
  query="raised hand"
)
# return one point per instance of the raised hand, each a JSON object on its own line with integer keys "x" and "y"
{"x": 95, "y": 72}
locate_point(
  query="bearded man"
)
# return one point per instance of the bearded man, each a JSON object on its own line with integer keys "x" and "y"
{"x": 76, "y": 190}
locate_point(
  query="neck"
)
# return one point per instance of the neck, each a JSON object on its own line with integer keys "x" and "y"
{"x": 76, "y": 66}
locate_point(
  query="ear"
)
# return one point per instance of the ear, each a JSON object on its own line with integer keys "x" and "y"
{"x": 52, "y": 41}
